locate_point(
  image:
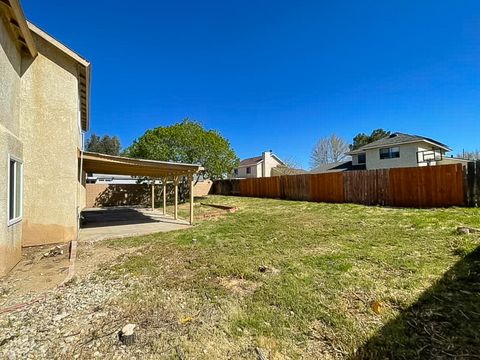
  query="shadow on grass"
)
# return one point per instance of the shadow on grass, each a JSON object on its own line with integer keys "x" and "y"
{"x": 443, "y": 324}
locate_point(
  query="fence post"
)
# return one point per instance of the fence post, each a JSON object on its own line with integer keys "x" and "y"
{"x": 476, "y": 184}
{"x": 472, "y": 183}
{"x": 468, "y": 170}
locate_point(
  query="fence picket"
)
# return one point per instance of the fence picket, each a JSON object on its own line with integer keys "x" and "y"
{"x": 434, "y": 186}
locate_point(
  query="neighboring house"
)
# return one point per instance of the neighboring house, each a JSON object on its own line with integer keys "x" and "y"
{"x": 44, "y": 108}
{"x": 337, "y": 167}
{"x": 257, "y": 167}
{"x": 127, "y": 179}
{"x": 282, "y": 170}
{"x": 201, "y": 186}
{"x": 402, "y": 150}
{"x": 394, "y": 151}
{"x": 111, "y": 179}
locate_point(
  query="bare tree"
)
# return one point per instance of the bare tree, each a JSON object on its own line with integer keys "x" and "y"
{"x": 339, "y": 147}
{"x": 291, "y": 167}
{"x": 470, "y": 155}
{"x": 328, "y": 150}
{"x": 291, "y": 163}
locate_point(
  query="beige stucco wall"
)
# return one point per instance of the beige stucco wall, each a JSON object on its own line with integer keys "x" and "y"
{"x": 255, "y": 171}
{"x": 10, "y": 143}
{"x": 355, "y": 160}
{"x": 261, "y": 169}
{"x": 269, "y": 162}
{"x": 51, "y": 136}
{"x": 408, "y": 157}
{"x": 450, "y": 161}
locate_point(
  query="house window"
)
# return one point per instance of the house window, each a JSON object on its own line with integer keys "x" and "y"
{"x": 390, "y": 153}
{"x": 15, "y": 190}
{"x": 362, "y": 158}
{"x": 249, "y": 170}
{"x": 235, "y": 172}
{"x": 428, "y": 156}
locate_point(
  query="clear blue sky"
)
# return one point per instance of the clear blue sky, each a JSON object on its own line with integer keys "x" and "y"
{"x": 277, "y": 74}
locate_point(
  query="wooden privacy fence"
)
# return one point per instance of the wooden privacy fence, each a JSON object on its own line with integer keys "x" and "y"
{"x": 472, "y": 183}
{"x": 434, "y": 186}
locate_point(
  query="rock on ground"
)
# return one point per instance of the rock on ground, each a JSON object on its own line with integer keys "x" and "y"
{"x": 77, "y": 321}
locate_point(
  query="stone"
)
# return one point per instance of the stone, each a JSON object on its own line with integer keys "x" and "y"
{"x": 127, "y": 335}
{"x": 60, "y": 317}
{"x": 55, "y": 251}
{"x": 461, "y": 230}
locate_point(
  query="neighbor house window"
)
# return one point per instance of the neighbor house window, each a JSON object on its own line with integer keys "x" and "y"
{"x": 249, "y": 170}
{"x": 235, "y": 171}
{"x": 390, "y": 153}
{"x": 15, "y": 189}
{"x": 362, "y": 158}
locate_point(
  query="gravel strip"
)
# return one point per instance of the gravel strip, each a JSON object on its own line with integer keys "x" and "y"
{"x": 80, "y": 320}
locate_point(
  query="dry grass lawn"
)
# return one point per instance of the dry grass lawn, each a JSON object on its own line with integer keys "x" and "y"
{"x": 298, "y": 280}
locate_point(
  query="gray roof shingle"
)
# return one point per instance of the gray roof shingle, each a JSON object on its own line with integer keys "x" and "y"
{"x": 337, "y": 167}
{"x": 251, "y": 161}
{"x": 397, "y": 139}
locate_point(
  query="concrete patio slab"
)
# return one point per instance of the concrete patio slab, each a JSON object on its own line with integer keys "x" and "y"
{"x": 117, "y": 222}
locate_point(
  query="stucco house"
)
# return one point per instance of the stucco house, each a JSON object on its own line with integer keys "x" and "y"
{"x": 394, "y": 151}
{"x": 402, "y": 150}
{"x": 44, "y": 108}
{"x": 44, "y": 113}
{"x": 111, "y": 179}
{"x": 258, "y": 166}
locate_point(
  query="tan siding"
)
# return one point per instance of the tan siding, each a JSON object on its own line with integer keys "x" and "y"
{"x": 10, "y": 143}
{"x": 51, "y": 137}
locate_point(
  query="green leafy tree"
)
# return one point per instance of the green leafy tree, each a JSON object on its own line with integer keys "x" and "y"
{"x": 363, "y": 139}
{"x": 187, "y": 142}
{"x": 103, "y": 145}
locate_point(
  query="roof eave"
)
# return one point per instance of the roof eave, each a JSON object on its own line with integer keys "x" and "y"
{"x": 134, "y": 161}
{"x": 86, "y": 106}
{"x": 50, "y": 39}
{"x": 355, "y": 152}
{"x": 20, "y": 24}
{"x": 278, "y": 159}
{"x": 250, "y": 164}
{"x": 84, "y": 73}
{"x": 366, "y": 147}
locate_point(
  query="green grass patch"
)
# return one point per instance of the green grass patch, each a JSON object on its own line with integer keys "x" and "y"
{"x": 304, "y": 276}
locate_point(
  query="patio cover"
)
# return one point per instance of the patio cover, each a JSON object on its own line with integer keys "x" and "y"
{"x": 118, "y": 165}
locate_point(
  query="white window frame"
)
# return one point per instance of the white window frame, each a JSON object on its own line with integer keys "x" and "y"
{"x": 17, "y": 162}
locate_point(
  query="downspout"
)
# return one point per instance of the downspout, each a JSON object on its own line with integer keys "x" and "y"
{"x": 73, "y": 243}
{"x": 80, "y": 176}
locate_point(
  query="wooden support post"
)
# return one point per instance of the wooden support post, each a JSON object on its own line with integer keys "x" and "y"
{"x": 175, "y": 204}
{"x": 190, "y": 179}
{"x": 153, "y": 194}
{"x": 164, "y": 183}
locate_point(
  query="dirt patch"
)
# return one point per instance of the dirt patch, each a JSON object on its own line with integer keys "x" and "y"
{"x": 239, "y": 286}
{"x": 264, "y": 269}
{"x": 230, "y": 209}
{"x": 36, "y": 273}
